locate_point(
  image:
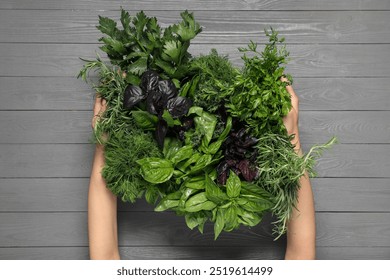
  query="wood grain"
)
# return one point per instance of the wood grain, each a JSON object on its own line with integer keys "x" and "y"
{"x": 188, "y": 253}
{"x": 298, "y": 27}
{"x": 316, "y": 94}
{"x": 167, "y": 229}
{"x": 70, "y": 194}
{"x": 197, "y": 5}
{"x": 51, "y": 60}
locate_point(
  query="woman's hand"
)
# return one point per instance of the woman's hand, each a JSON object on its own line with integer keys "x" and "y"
{"x": 291, "y": 119}
{"x": 301, "y": 229}
{"x": 98, "y": 109}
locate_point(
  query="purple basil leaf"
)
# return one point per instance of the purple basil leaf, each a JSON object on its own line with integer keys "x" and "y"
{"x": 222, "y": 178}
{"x": 155, "y": 103}
{"x": 149, "y": 81}
{"x": 132, "y": 96}
{"x": 248, "y": 171}
{"x": 167, "y": 89}
{"x": 178, "y": 106}
{"x": 249, "y": 142}
{"x": 222, "y": 171}
{"x": 161, "y": 131}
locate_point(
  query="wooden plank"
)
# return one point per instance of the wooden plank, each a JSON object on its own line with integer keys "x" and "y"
{"x": 45, "y": 93}
{"x": 45, "y": 126}
{"x": 51, "y": 60}
{"x": 343, "y": 93}
{"x": 349, "y": 127}
{"x": 43, "y": 194}
{"x": 167, "y": 229}
{"x": 67, "y": 93}
{"x": 74, "y": 160}
{"x": 78, "y": 26}
{"x": 139, "y": 253}
{"x": 354, "y": 160}
{"x": 353, "y": 253}
{"x": 45, "y": 160}
{"x": 75, "y": 127}
{"x": 351, "y": 194}
{"x": 70, "y": 194}
{"x": 44, "y": 253}
{"x": 188, "y": 253}
{"x": 197, "y": 5}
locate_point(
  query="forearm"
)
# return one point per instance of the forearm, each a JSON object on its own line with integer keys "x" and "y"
{"x": 301, "y": 227}
{"x": 102, "y": 213}
{"x": 301, "y": 232}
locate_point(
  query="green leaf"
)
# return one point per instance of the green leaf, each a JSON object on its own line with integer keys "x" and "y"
{"x": 114, "y": 44}
{"x": 188, "y": 28}
{"x": 186, "y": 193}
{"x": 213, "y": 148}
{"x": 172, "y": 51}
{"x": 107, "y": 26}
{"x": 203, "y": 161}
{"x": 183, "y": 153}
{"x": 125, "y": 20}
{"x": 213, "y": 192}
{"x": 197, "y": 183}
{"x": 169, "y": 119}
{"x": 139, "y": 21}
{"x": 166, "y": 204}
{"x": 194, "y": 158}
{"x": 145, "y": 120}
{"x": 227, "y": 129}
{"x": 231, "y": 218}
{"x": 219, "y": 223}
{"x": 139, "y": 66}
{"x": 165, "y": 66}
{"x": 156, "y": 170}
{"x": 233, "y": 185}
{"x": 151, "y": 194}
{"x": 205, "y": 125}
{"x": 171, "y": 146}
{"x": 199, "y": 202}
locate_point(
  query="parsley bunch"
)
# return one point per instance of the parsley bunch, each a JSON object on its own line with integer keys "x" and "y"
{"x": 257, "y": 96}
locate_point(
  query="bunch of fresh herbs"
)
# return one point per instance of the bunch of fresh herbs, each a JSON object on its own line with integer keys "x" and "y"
{"x": 196, "y": 135}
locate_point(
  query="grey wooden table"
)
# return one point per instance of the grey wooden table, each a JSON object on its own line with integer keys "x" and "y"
{"x": 340, "y": 53}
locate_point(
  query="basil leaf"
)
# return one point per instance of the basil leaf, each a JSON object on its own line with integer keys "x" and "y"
{"x": 155, "y": 170}
{"x": 145, "y": 120}
{"x": 213, "y": 192}
{"x": 233, "y": 185}
{"x": 169, "y": 119}
{"x": 227, "y": 129}
{"x": 171, "y": 146}
{"x": 219, "y": 223}
{"x": 196, "y": 183}
{"x": 199, "y": 202}
{"x": 166, "y": 204}
{"x": 203, "y": 161}
{"x": 183, "y": 153}
{"x": 231, "y": 218}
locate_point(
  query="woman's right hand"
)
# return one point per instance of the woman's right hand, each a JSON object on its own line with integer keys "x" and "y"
{"x": 291, "y": 119}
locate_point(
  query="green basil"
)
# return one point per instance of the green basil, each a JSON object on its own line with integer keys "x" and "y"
{"x": 156, "y": 170}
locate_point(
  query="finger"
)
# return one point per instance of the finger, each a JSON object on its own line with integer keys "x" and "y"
{"x": 294, "y": 97}
{"x": 104, "y": 105}
{"x": 97, "y": 105}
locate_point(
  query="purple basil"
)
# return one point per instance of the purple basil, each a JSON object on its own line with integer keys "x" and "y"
{"x": 132, "y": 96}
{"x": 149, "y": 81}
{"x": 178, "y": 106}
